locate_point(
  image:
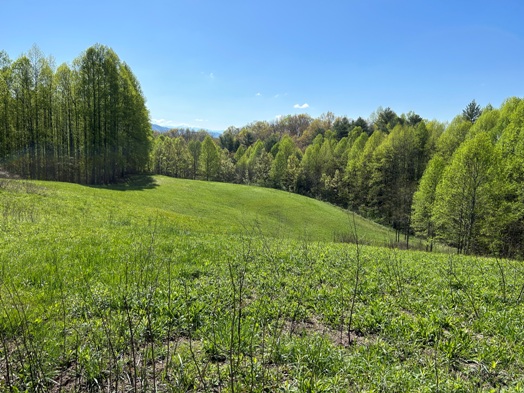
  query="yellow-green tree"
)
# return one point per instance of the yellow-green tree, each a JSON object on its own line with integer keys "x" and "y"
{"x": 210, "y": 159}
{"x": 462, "y": 200}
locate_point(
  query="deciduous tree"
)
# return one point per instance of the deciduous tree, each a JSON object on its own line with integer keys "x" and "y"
{"x": 463, "y": 195}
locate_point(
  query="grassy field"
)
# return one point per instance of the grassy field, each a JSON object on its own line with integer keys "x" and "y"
{"x": 171, "y": 285}
{"x": 229, "y": 209}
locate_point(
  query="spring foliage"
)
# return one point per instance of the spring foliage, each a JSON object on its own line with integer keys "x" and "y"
{"x": 85, "y": 122}
{"x": 457, "y": 183}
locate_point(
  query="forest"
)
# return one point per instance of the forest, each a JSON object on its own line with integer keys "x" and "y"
{"x": 458, "y": 183}
{"x": 85, "y": 123}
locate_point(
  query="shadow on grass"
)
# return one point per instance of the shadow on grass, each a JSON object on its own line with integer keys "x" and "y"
{"x": 132, "y": 183}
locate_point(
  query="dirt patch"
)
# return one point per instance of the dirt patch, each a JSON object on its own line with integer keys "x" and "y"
{"x": 338, "y": 337}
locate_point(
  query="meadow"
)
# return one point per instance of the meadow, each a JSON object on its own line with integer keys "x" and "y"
{"x": 174, "y": 285}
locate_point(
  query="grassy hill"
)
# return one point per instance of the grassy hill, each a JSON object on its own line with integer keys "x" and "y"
{"x": 229, "y": 208}
{"x": 171, "y": 285}
{"x": 215, "y": 208}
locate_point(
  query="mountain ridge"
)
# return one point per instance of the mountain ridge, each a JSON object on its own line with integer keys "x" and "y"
{"x": 159, "y": 128}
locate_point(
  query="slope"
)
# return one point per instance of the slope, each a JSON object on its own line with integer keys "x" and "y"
{"x": 224, "y": 208}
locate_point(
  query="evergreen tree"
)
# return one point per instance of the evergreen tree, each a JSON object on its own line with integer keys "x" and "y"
{"x": 472, "y": 112}
{"x": 341, "y": 127}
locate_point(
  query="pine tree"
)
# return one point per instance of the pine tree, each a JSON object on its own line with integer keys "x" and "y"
{"x": 472, "y": 112}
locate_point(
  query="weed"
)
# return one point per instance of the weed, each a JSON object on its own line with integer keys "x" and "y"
{"x": 103, "y": 290}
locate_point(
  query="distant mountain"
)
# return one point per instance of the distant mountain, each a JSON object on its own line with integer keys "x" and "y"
{"x": 158, "y": 128}
{"x": 213, "y": 133}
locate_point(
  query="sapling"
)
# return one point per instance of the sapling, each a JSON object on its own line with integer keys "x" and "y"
{"x": 462, "y": 286}
{"x": 200, "y": 370}
{"x": 130, "y": 327}
{"x": 237, "y": 281}
{"x": 502, "y": 279}
{"x": 356, "y": 285}
{"x": 5, "y": 346}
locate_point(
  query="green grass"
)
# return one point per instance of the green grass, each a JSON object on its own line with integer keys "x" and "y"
{"x": 171, "y": 285}
{"x": 228, "y": 208}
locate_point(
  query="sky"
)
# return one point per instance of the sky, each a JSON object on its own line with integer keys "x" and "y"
{"x": 214, "y": 64}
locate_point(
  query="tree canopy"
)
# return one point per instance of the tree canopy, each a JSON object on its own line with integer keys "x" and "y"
{"x": 86, "y": 122}
{"x": 460, "y": 183}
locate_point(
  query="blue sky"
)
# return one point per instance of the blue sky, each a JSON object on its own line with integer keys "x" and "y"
{"x": 213, "y": 64}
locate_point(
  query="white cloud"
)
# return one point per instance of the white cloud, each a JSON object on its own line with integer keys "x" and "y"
{"x": 303, "y": 106}
{"x": 164, "y": 122}
{"x": 258, "y": 94}
{"x": 169, "y": 123}
{"x": 278, "y": 117}
{"x": 199, "y": 120}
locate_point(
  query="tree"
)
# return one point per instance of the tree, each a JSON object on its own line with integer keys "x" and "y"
{"x": 286, "y": 148}
{"x": 294, "y": 125}
{"x": 114, "y": 121}
{"x": 453, "y": 137}
{"x": 226, "y": 167}
{"x": 246, "y": 137}
{"x": 262, "y": 169}
{"x": 341, "y": 127}
{"x": 195, "y": 149}
{"x": 413, "y": 119}
{"x": 488, "y": 122}
{"x": 340, "y": 154}
{"x": 363, "y": 124}
{"x": 65, "y": 125}
{"x": 463, "y": 195}
{"x": 86, "y": 123}
{"x": 386, "y": 120}
{"x": 292, "y": 173}
{"x": 396, "y": 166}
{"x": 352, "y": 169}
{"x": 434, "y": 129}
{"x": 159, "y": 156}
{"x": 178, "y": 156}
{"x": 23, "y": 122}
{"x": 129, "y": 139}
{"x": 5, "y": 107}
{"x": 472, "y": 112}
{"x": 312, "y": 166}
{"x": 228, "y": 139}
{"x": 424, "y": 199}
{"x": 359, "y": 170}
{"x": 317, "y": 127}
{"x": 507, "y": 218}
{"x": 210, "y": 159}
{"x": 253, "y": 154}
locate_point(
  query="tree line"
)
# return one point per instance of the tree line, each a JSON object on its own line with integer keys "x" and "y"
{"x": 86, "y": 122}
{"x": 457, "y": 183}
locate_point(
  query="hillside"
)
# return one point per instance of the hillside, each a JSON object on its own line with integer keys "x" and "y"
{"x": 220, "y": 208}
